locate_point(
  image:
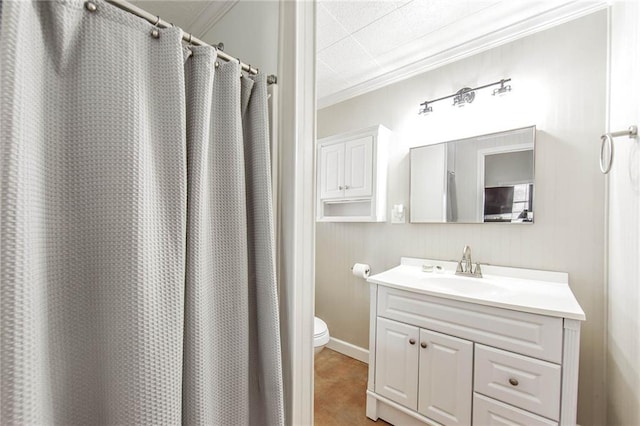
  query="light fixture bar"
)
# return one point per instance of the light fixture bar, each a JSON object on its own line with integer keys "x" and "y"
{"x": 426, "y": 108}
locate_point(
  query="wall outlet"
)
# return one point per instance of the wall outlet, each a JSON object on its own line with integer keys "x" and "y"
{"x": 398, "y": 214}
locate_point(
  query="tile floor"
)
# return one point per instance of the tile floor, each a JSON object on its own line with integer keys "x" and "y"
{"x": 340, "y": 391}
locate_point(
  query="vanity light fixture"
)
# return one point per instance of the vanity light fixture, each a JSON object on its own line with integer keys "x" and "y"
{"x": 502, "y": 89}
{"x": 466, "y": 95}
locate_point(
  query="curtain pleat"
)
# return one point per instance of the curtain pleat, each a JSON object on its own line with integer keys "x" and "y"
{"x": 136, "y": 226}
{"x": 267, "y": 399}
{"x": 232, "y": 371}
{"x": 216, "y": 311}
{"x": 198, "y": 380}
{"x": 93, "y": 216}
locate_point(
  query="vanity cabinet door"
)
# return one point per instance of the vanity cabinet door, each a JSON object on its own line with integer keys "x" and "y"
{"x": 332, "y": 171}
{"x": 445, "y": 383}
{"x": 397, "y": 362}
{"x": 358, "y": 173}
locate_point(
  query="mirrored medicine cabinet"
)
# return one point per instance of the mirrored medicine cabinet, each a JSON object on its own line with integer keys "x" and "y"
{"x": 482, "y": 179}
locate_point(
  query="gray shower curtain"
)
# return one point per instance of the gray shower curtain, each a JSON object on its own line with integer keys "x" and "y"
{"x": 136, "y": 237}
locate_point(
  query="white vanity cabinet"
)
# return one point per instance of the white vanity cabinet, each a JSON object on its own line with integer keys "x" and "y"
{"x": 352, "y": 176}
{"x": 443, "y": 363}
{"x": 444, "y": 352}
{"x": 398, "y": 360}
{"x": 445, "y": 378}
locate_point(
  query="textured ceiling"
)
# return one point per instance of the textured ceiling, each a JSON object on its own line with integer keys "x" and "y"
{"x": 364, "y": 45}
{"x": 357, "y": 40}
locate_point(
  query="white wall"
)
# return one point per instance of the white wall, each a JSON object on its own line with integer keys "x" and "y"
{"x": 249, "y": 31}
{"x": 623, "y": 342}
{"x": 559, "y": 81}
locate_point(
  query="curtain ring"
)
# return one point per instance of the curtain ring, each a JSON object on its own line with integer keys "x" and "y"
{"x": 190, "y": 39}
{"x": 608, "y": 140}
{"x": 154, "y": 32}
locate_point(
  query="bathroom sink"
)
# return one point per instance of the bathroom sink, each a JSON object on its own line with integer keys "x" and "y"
{"x": 463, "y": 285}
{"x": 527, "y": 290}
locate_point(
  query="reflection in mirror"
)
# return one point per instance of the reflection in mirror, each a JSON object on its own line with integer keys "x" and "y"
{"x": 488, "y": 178}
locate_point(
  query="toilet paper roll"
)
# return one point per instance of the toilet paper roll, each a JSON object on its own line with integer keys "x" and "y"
{"x": 361, "y": 270}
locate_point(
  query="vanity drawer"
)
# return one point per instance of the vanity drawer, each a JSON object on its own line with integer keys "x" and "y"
{"x": 489, "y": 412}
{"x": 522, "y": 332}
{"x": 525, "y": 382}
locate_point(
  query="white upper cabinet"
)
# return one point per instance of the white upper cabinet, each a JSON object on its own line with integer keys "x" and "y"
{"x": 331, "y": 178}
{"x": 352, "y": 176}
{"x": 358, "y": 164}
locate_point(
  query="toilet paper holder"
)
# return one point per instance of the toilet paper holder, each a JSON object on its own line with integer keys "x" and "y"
{"x": 361, "y": 270}
{"x": 351, "y": 268}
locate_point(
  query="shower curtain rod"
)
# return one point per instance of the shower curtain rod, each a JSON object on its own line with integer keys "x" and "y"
{"x": 188, "y": 37}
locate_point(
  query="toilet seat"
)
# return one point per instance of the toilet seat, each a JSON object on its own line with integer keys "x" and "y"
{"x": 320, "y": 332}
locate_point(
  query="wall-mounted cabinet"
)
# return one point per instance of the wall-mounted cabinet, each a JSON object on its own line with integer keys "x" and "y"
{"x": 352, "y": 176}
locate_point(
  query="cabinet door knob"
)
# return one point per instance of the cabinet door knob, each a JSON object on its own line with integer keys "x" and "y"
{"x": 412, "y": 341}
{"x": 513, "y": 382}
{"x": 346, "y": 187}
{"x": 424, "y": 345}
{"x": 341, "y": 187}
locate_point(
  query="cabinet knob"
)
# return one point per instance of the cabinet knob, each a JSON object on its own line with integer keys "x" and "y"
{"x": 346, "y": 187}
{"x": 424, "y": 345}
{"x": 412, "y": 341}
{"x": 341, "y": 187}
{"x": 513, "y": 382}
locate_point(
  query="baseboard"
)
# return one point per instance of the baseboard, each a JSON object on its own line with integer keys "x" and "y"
{"x": 345, "y": 348}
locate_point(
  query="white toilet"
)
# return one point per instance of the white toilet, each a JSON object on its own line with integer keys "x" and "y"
{"x": 320, "y": 335}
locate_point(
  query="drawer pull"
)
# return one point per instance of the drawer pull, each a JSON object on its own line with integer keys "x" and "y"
{"x": 424, "y": 345}
{"x": 412, "y": 341}
{"x": 513, "y": 382}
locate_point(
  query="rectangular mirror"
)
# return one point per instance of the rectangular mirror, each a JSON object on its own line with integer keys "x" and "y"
{"x": 488, "y": 178}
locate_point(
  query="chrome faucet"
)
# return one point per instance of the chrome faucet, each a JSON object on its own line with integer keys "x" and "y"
{"x": 465, "y": 266}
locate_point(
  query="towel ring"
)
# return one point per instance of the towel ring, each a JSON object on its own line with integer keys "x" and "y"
{"x": 607, "y": 139}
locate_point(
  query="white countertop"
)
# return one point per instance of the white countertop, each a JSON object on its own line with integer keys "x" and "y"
{"x": 526, "y": 290}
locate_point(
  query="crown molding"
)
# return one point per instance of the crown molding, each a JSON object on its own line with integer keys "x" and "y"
{"x": 210, "y": 15}
{"x": 522, "y": 26}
